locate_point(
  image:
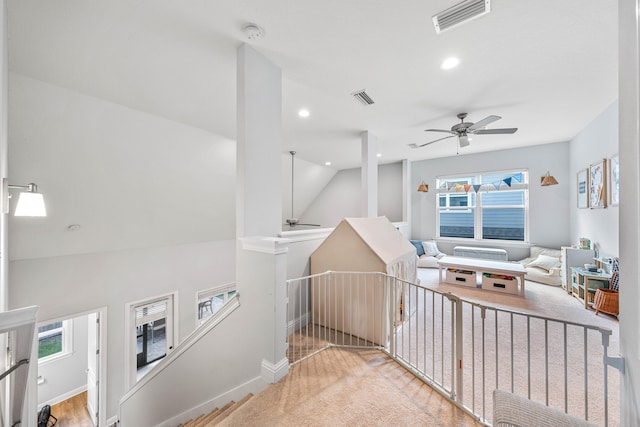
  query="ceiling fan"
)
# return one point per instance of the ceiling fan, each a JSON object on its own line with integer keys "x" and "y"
{"x": 292, "y": 221}
{"x": 463, "y": 129}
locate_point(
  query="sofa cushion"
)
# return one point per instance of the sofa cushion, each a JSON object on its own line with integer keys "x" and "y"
{"x": 418, "y": 245}
{"x": 431, "y": 248}
{"x": 545, "y": 262}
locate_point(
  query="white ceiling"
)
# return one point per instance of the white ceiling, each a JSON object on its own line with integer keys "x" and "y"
{"x": 547, "y": 67}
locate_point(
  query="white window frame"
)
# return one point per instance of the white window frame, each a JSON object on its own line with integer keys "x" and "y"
{"x": 203, "y": 295}
{"x": 67, "y": 340}
{"x": 171, "y": 325}
{"x": 478, "y": 208}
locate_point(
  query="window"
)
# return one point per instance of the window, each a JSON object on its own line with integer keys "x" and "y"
{"x": 489, "y": 206}
{"x": 211, "y": 300}
{"x": 54, "y": 340}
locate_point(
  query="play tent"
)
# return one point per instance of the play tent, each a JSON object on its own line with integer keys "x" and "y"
{"x": 360, "y": 245}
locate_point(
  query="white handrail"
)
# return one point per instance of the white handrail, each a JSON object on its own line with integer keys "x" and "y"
{"x": 21, "y": 323}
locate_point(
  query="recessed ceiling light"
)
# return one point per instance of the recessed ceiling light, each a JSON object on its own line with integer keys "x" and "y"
{"x": 304, "y": 113}
{"x": 378, "y": 155}
{"x": 327, "y": 163}
{"x": 450, "y": 63}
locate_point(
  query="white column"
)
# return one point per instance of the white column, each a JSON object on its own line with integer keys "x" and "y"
{"x": 259, "y": 145}
{"x": 629, "y": 209}
{"x": 406, "y": 192}
{"x": 261, "y": 258}
{"x": 369, "y": 175}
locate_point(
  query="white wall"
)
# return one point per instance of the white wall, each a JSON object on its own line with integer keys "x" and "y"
{"x": 342, "y": 197}
{"x": 66, "y": 285}
{"x": 629, "y": 128}
{"x": 599, "y": 140}
{"x": 309, "y": 180}
{"x": 129, "y": 179}
{"x": 548, "y": 209}
{"x": 65, "y": 376}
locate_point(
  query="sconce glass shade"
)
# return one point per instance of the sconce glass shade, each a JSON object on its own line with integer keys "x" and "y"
{"x": 30, "y": 204}
{"x": 548, "y": 180}
{"x": 423, "y": 188}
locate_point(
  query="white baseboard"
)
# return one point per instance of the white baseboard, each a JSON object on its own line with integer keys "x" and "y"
{"x": 253, "y": 386}
{"x": 273, "y": 373}
{"x": 297, "y": 323}
{"x": 63, "y": 397}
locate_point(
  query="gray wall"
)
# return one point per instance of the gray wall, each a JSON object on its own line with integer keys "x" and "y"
{"x": 597, "y": 141}
{"x": 341, "y": 197}
{"x": 548, "y": 208}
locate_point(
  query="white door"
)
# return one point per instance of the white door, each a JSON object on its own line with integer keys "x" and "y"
{"x": 93, "y": 365}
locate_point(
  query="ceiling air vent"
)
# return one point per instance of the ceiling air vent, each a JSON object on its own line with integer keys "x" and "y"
{"x": 460, "y": 13}
{"x": 362, "y": 96}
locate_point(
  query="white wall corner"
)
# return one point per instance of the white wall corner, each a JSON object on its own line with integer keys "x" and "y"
{"x": 273, "y": 373}
{"x": 267, "y": 245}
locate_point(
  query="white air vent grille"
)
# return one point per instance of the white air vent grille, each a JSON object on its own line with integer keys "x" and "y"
{"x": 362, "y": 96}
{"x": 460, "y": 13}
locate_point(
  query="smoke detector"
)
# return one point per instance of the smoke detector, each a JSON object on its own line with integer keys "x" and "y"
{"x": 460, "y": 13}
{"x": 253, "y": 32}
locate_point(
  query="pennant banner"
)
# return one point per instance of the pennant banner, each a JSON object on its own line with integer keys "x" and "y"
{"x": 452, "y": 186}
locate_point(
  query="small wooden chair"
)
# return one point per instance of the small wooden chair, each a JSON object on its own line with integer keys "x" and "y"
{"x": 607, "y": 300}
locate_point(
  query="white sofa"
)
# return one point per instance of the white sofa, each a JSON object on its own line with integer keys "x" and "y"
{"x": 543, "y": 266}
{"x": 428, "y": 253}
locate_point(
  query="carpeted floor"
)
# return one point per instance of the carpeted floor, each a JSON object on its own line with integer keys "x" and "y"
{"x": 342, "y": 387}
{"x": 365, "y": 387}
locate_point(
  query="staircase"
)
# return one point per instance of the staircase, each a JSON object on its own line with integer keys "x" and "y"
{"x": 216, "y": 416}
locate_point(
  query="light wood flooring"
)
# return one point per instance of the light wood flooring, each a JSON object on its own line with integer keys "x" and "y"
{"x": 72, "y": 412}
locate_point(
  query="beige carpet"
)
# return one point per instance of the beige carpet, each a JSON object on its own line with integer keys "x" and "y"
{"x": 341, "y": 387}
{"x": 365, "y": 387}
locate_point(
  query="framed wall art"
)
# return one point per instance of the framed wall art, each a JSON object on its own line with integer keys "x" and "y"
{"x": 614, "y": 179}
{"x": 583, "y": 185}
{"x": 598, "y": 185}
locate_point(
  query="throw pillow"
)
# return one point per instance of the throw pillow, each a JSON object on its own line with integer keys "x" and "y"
{"x": 545, "y": 262}
{"x": 418, "y": 245}
{"x": 430, "y": 248}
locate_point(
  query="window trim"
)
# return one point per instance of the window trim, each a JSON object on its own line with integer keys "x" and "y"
{"x": 203, "y": 295}
{"x": 67, "y": 341}
{"x": 477, "y": 206}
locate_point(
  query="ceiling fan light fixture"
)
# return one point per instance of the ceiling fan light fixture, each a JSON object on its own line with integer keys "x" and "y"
{"x": 464, "y": 140}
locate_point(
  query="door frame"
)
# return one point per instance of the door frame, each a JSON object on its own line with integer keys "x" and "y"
{"x": 130, "y": 370}
{"x": 102, "y": 345}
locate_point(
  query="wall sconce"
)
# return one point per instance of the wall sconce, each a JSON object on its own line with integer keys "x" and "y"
{"x": 423, "y": 188}
{"x": 30, "y": 202}
{"x": 548, "y": 180}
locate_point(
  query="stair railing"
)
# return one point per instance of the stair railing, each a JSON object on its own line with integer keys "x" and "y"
{"x": 462, "y": 349}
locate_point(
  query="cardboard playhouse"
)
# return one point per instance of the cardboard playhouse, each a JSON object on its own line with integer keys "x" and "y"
{"x": 354, "y": 306}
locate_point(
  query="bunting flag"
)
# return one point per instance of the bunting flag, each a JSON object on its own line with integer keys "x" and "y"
{"x": 452, "y": 186}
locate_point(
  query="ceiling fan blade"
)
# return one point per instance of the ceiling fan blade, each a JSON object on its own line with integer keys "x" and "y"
{"x": 440, "y": 130}
{"x": 482, "y": 123}
{"x": 495, "y": 131}
{"x": 430, "y": 142}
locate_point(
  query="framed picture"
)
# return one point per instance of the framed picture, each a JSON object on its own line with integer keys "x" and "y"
{"x": 598, "y": 185}
{"x": 614, "y": 179}
{"x": 583, "y": 185}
